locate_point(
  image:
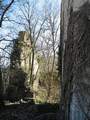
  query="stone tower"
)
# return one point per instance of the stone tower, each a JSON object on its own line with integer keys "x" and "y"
{"x": 21, "y": 55}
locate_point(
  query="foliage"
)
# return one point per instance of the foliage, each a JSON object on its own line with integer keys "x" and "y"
{"x": 48, "y": 88}
{"x": 15, "y": 54}
{"x": 16, "y": 88}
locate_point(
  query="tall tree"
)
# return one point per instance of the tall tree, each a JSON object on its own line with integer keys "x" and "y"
{"x": 1, "y": 88}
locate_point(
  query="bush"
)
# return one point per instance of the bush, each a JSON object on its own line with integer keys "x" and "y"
{"x": 16, "y": 89}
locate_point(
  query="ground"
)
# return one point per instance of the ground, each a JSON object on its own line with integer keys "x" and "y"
{"x": 29, "y": 112}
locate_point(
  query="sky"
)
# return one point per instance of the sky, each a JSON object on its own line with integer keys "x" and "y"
{"x": 10, "y": 30}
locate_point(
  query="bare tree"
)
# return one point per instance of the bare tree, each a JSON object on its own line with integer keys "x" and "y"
{"x": 1, "y": 88}
{"x": 3, "y": 10}
{"x": 33, "y": 23}
{"x": 50, "y": 37}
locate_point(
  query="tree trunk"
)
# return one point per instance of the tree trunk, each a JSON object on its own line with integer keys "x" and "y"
{"x": 32, "y": 67}
{"x": 1, "y": 89}
{"x": 75, "y": 60}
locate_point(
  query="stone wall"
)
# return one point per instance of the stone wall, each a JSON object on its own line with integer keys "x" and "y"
{"x": 75, "y": 45}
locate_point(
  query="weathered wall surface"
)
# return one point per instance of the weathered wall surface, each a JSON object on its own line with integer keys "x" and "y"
{"x": 75, "y": 45}
{"x": 26, "y": 51}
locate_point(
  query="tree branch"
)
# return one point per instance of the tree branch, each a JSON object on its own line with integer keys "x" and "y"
{"x": 4, "y": 12}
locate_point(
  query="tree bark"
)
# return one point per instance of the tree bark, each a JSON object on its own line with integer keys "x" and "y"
{"x": 1, "y": 89}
